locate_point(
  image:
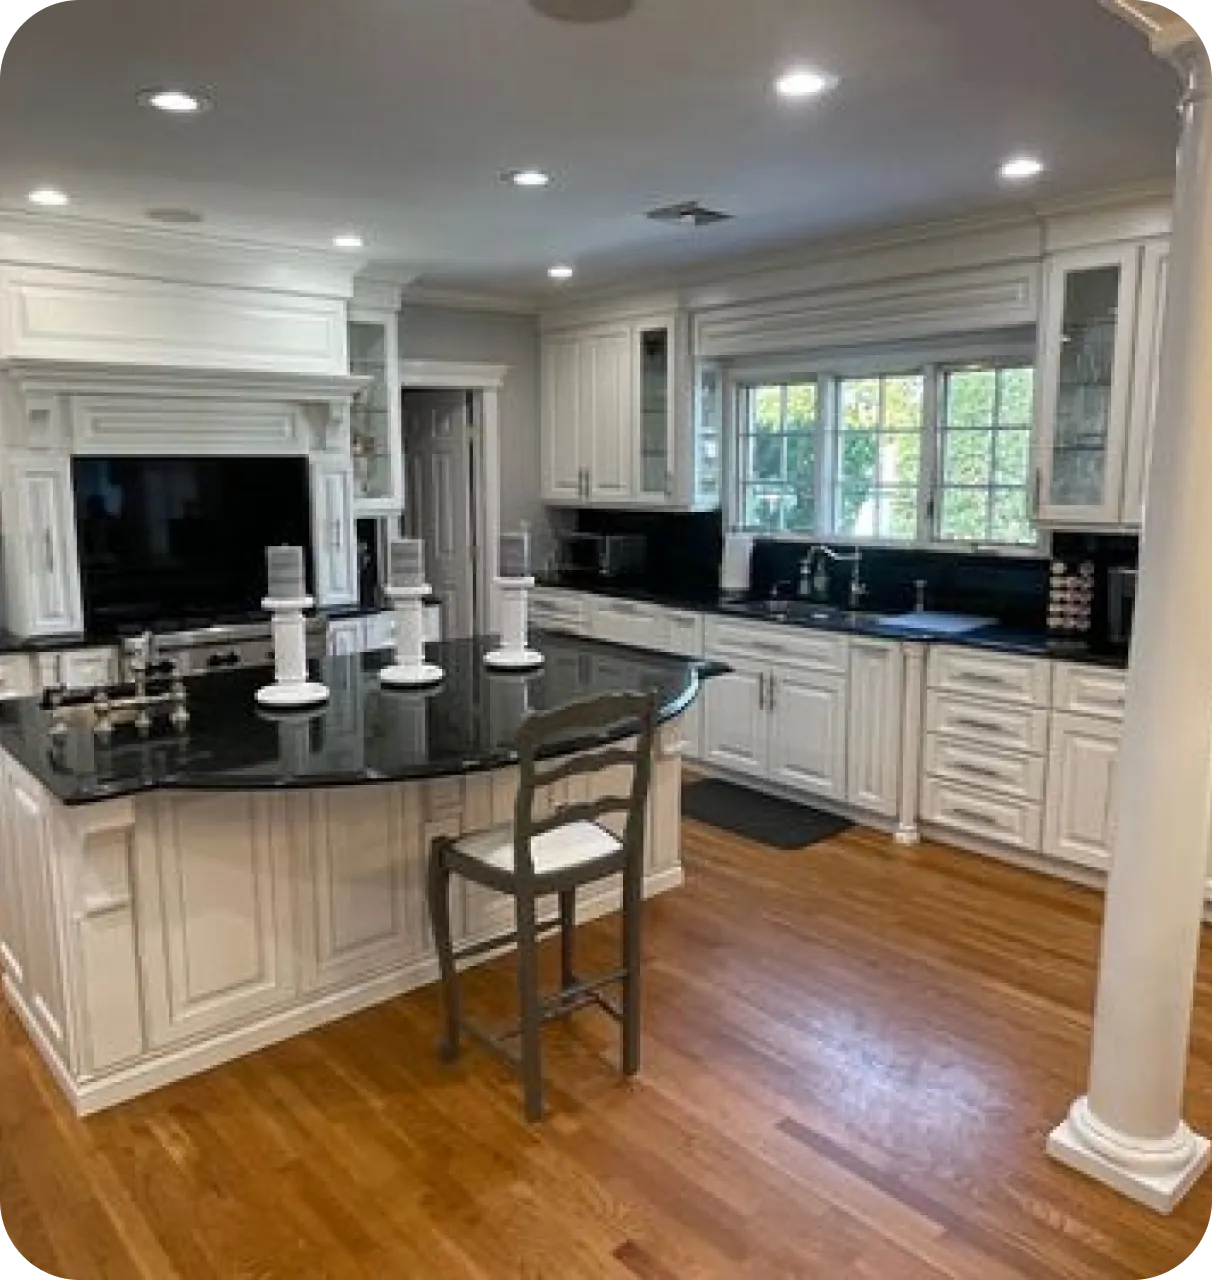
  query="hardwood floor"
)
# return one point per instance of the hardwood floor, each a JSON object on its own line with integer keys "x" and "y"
{"x": 852, "y": 1057}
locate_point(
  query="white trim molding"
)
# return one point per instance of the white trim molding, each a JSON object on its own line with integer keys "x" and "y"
{"x": 451, "y": 375}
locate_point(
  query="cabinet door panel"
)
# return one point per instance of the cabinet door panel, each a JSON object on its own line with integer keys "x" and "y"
{"x": 808, "y": 731}
{"x": 214, "y": 915}
{"x": 335, "y": 553}
{"x": 45, "y": 566}
{"x": 1085, "y": 384}
{"x": 12, "y": 909}
{"x": 1079, "y": 824}
{"x": 608, "y": 427}
{"x": 734, "y": 721}
{"x": 873, "y": 771}
{"x": 563, "y": 456}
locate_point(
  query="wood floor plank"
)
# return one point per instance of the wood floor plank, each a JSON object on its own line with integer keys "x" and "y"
{"x": 852, "y": 1056}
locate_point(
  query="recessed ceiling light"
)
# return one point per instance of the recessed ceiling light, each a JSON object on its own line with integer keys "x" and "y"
{"x": 178, "y": 102}
{"x": 1020, "y": 168}
{"x": 527, "y": 177}
{"x": 347, "y": 240}
{"x": 51, "y": 197}
{"x": 802, "y": 82}
{"x": 561, "y": 271}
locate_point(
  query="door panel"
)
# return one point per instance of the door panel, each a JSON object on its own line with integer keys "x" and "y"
{"x": 735, "y": 726}
{"x": 808, "y": 731}
{"x": 1082, "y": 762}
{"x": 609, "y": 425}
{"x": 563, "y": 452}
{"x": 437, "y": 438}
{"x": 874, "y": 738}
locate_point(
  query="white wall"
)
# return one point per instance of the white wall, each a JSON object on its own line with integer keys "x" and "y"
{"x": 445, "y": 333}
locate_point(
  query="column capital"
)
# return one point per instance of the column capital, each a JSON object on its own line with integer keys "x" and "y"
{"x": 1173, "y": 39}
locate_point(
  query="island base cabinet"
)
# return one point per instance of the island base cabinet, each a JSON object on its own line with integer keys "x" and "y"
{"x": 215, "y": 929}
{"x": 1079, "y": 822}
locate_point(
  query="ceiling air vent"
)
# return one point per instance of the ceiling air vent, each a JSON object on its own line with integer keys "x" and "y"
{"x": 689, "y": 213}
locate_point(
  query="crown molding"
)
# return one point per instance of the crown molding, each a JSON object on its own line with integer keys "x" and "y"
{"x": 422, "y": 295}
{"x": 90, "y": 245}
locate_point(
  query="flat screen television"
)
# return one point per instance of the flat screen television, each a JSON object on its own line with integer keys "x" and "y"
{"x": 182, "y": 540}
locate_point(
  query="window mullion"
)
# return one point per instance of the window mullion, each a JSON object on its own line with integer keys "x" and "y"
{"x": 929, "y": 497}
{"x": 827, "y": 451}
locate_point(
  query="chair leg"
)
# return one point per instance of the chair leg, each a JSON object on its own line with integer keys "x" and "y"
{"x": 632, "y": 911}
{"x": 528, "y": 1005}
{"x": 568, "y": 925}
{"x": 439, "y": 914}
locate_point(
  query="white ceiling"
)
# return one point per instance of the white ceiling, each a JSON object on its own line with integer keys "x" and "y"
{"x": 396, "y": 116}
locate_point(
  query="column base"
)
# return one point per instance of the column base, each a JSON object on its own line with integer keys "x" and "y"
{"x": 1157, "y": 1175}
{"x": 907, "y": 836}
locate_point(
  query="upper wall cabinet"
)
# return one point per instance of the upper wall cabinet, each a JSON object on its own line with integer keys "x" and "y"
{"x": 376, "y": 439}
{"x": 617, "y": 424}
{"x": 1099, "y": 344}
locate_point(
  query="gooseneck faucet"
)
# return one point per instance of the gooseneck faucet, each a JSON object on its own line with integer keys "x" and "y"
{"x": 853, "y": 558}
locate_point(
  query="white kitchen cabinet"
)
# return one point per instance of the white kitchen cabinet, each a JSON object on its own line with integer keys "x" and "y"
{"x": 1100, "y": 345}
{"x": 78, "y": 668}
{"x": 16, "y": 675}
{"x": 41, "y": 567}
{"x": 619, "y": 416}
{"x": 344, "y": 637}
{"x": 379, "y": 631}
{"x": 1080, "y": 814}
{"x": 12, "y": 908}
{"x": 564, "y": 612}
{"x": 334, "y": 547}
{"x": 876, "y": 697}
{"x": 736, "y": 730}
{"x": 30, "y": 866}
{"x": 215, "y": 921}
{"x": 1154, "y": 277}
{"x": 807, "y": 715}
{"x": 376, "y": 430}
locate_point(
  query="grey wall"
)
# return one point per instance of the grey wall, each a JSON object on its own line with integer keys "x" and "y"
{"x": 443, "y": 333}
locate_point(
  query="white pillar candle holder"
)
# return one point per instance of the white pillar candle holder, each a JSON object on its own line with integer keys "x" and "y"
{"x": 514, "y": 653}
{"x": 410, "y": 670}
{"x": 291, "y": 687}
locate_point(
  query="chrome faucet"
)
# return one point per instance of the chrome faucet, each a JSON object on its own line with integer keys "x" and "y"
{"x": 853, "y": 558}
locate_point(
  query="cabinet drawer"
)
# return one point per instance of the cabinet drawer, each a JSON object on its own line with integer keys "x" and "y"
{"x": 685, "y": 632}
{"x": 559, "y": 611}
{"x": 15, "y": 676}
{"x": 987, "y": 724}
{"x": 1004, "y": 772}
{"x": 1090, "y": 691}
{"x": 785, "y": 645}
{"x": 1001, "y": 677}
{"x": 1007, "y": 821}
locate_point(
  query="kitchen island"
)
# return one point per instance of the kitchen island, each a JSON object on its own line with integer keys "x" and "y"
{"x": 171, "y": 902}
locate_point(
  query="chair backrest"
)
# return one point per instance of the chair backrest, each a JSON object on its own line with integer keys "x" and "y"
{"x": 604, "y": 718}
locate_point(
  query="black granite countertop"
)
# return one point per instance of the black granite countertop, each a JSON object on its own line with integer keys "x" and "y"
{"x": 797, "y": 613}
{"x": 365, "y": 733}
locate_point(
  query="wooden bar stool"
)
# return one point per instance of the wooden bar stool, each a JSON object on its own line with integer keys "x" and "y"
{"x": 556, "y": 854}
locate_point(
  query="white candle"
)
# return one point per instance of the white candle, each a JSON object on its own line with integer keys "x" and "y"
{"x": 513, "y": 560}
{"x": 406, "y": 562}
{"x": 287, "y": 580}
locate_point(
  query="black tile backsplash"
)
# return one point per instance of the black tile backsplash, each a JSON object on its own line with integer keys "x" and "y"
{"x": 684, "y": 548}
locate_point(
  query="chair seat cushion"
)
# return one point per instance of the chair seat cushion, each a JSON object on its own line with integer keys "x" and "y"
{"x": 565, "y": 847}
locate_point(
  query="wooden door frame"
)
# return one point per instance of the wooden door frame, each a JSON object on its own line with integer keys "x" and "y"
{"x": 484, "y": 382}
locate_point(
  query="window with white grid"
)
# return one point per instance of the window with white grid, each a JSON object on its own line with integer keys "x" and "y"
{"x": 777, "y": 450}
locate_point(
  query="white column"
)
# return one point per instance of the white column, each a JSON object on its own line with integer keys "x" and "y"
{"x": 1128, "y": 1129}
{"x": 907, "y": 831}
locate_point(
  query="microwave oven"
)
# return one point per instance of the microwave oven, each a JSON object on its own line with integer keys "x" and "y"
{"x": 601, "y": 555}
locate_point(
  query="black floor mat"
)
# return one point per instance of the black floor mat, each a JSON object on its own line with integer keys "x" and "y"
{"x": 754, "y": 816}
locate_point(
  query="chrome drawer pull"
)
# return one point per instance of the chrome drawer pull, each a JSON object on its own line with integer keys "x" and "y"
{"x": 970, "y": 815}
{"x": 981, "y": 677}
{"x": 979, "y": 770}
{"x": 985, "y": 726}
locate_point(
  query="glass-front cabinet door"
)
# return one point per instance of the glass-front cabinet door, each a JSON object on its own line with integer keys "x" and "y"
{"x": 1085, "y": 385}
{"x": 375, "y": 429}
{"x": 654, "y": 359}
{"x": 708, "y": 434}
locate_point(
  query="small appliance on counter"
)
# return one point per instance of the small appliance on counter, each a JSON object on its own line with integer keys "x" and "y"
{"x": 1121, "y": 604}
{"x": 601, "y": 555}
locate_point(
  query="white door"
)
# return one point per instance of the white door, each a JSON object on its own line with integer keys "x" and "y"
{"x": 214, "y": 914}
{"x": 1155, "y": 267}
{"x": 1080, "y": 818}
{"x": 50, "y": 577}
{"x": 334, "y": 546}
{"x": 609, "y": 414}
{"x": 563, "y": 456}
{"x": 441, "y": 509}
{"x": 873, "y": 752}
{"x": 808, "y": 731}
{"x": 735, "y": 726}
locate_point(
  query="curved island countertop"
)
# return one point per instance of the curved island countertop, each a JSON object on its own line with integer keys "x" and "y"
{"x": 364, "y": 734}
